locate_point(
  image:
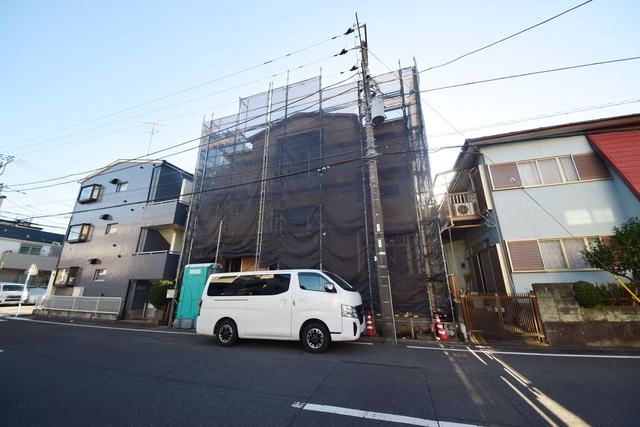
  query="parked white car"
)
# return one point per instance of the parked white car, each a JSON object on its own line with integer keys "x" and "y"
{"x": 35, "y": 296}
{"x": 13, "y": 293}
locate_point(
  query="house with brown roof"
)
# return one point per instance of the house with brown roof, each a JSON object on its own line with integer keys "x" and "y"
{"x": 519, "y": 208}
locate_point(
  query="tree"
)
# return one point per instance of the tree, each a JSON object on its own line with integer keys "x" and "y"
{"x": 158, "y": 293}
{"x": 619, "y": 254}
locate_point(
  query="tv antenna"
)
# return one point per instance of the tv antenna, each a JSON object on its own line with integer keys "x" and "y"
{"x": 152, "y": 131}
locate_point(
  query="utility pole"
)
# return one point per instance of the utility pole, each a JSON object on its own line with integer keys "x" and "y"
{"x": 3, "y": 164}
{"x": 371, "y": 156}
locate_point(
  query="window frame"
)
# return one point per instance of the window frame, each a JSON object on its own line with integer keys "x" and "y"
{"x": 559, "y": 168}
{"x": 83, "y": 234}
{"x": 586, "y": 167}
{"x": 121, "y": 187}
{"x": 30, "y": 249}
{"x": 520, "y": 253}
{"x": 111, "y": 228}
{"x": 94, "y": 193}
{"x": 66, "y": 276}
{"x": 100, "y": 275}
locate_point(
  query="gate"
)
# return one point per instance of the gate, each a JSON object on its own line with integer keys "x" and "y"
{"x": 502, "y": 316}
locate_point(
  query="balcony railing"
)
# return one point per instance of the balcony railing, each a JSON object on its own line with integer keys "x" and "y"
{"x": 155, "y": 265}
{"x": 459, "y": 207}
{"x": 163, "y": 214}
{"x": 18, "y": 261}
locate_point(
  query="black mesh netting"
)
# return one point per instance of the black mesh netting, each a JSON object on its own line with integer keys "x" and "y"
{"x": 283, "y": 184}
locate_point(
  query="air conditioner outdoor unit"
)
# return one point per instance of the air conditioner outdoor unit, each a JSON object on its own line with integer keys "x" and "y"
{"x": 463, "y": 209}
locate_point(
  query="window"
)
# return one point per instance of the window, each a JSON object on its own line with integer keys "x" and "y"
{"x": 549, "y": 254}
{"x": 31, "y": 250}
{"x": 549, "y": 171}
{"x": 66, "y": 276}
{"x": 340, "y": 281}
{"x": 122, "y": 186}
{"x": 89, "y": 193}
{"x": 259, "y": 284}
{"x": 78, "y": 233}
{"x": 100, "y": 275}
{"x": 313, "y": 282}
{"x": 111, "y": 228}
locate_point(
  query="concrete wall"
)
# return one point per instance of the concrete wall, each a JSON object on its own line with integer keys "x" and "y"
{"x": 567, "y": 324}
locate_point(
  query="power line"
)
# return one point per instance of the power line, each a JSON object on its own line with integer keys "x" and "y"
{"x": 158, "y": 109}
{"x": 231, "y": 126}
{"x": 184, "y": 90}
{"x": 530, "y": 74}
{"x": 543, "y": 116}
{"x": 506, "y": 38}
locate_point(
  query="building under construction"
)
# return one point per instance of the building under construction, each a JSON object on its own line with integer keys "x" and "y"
{"x": 285, "y": 183}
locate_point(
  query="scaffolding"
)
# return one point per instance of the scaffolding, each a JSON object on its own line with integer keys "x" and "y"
{"x": 284, "y": 184}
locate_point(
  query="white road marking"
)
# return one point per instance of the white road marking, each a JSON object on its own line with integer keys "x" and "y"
{"x": 521, "y": 353}
{"x": 380, "y": 416}
{"x": 115, "y": 328}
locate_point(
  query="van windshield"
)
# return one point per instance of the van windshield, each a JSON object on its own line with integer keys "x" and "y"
{"x": 13, "y": 287}
{"x": 340, "y": 281}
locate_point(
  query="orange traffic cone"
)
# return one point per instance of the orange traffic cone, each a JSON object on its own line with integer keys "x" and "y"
{"x": 369, "y": 331}
{"x": 442, "y": 335}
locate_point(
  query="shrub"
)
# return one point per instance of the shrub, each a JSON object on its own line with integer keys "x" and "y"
{"x": 158, "y": 293}
{"x": 587, "y": 294}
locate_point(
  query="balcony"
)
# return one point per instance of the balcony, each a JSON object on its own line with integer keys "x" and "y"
{"x": 460, "y": 210}
{"x": 18, "y": 261}
{"x": 155, "y": 265}
{"x": 167, "y": 214}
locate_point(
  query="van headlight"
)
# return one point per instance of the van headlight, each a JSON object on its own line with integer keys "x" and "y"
{"x": 349, "y": 311}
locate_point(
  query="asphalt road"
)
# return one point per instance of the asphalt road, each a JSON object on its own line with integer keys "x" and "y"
{"x": 73, "y": 374}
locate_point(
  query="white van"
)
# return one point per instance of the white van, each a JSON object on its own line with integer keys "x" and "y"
{"x": 313, "y": 306}
{"x": 13, "y": 293}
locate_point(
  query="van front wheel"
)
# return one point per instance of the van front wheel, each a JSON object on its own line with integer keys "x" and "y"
{"x": 315, "y": 338}
{"x": 227, "y": 333}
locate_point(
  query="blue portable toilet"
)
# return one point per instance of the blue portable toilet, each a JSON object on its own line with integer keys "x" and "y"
{"x": 194, "y": 278}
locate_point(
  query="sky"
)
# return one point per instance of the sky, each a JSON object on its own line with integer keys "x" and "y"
{"x": 82, "y": 82}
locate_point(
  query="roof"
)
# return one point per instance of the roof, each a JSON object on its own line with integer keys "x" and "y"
{"x": 621, "y": 150}
{"x": 470, "y": 150}
{"x": 29, "y": 234}
{"x": 606, "y": 125}
{"x": 118, "y": 162}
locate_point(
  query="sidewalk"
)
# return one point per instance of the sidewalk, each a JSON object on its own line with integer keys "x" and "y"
{"x": 11, "y": 310}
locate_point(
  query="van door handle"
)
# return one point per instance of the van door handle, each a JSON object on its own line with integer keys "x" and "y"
{"x": 293, "y": 302}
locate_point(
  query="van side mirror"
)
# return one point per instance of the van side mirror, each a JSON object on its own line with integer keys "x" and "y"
{"x": 329, "y": 287}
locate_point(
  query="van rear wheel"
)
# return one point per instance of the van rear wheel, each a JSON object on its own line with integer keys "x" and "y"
{"x": 227, "y": 333}
{"x": 315, "y": 338}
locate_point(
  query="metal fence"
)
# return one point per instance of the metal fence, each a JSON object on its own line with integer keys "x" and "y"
{"x": 502, "y": 316}
{"x": 616, "y": 295}
{"x": 102, "y": 305}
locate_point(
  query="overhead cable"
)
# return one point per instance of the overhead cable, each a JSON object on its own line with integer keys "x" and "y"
{"x": 530, "y": 74}
{"x": 506, "y": 38}
{"x": 185, "y": 90}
